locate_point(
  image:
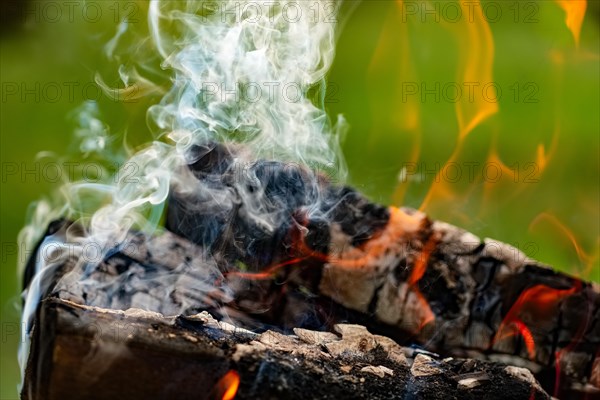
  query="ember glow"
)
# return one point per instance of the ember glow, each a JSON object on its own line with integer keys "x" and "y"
{"x": 228, "y": 385}
{"x": 400, "y": 225}
{"x": 534, "y": 304}
{"x": 416, "y": 274}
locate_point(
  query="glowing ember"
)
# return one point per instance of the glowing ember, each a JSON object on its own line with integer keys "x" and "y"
{"x": 416, "y": 274}
{"x": 400, "y": 225}
{"x": 228, "y": 385}
{"x": 538, "y": 303}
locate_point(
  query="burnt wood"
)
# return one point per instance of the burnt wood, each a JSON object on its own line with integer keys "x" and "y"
{"x": 394, "y": 270}
{"x": 318, "y": 255}
{"x": 94, "y": 353}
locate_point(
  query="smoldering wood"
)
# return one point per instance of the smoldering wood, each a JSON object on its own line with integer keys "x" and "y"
{"x": 408, "y": 276}
{"x": 340, "y": 258}
{"x": 94, "y": 353}
{"x": 146, "y": 262}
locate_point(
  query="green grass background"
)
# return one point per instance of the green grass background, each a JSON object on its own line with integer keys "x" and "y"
{"x": 69, "y": 50}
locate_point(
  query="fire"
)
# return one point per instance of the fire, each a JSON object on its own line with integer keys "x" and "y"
{"x": 476, "y": 59}
{"x": 475, "y": 56}
{"x": 476, "y": 47}
{"x": 399, "y": 228}
{"x": 416, "y": 274}
{"x": 518, "y": 178}
{"x": 575, "y": 10}
{"x": 392, "y": 58}
{"x": 400, "y": 225}
{"x": 586, "y": 259}
{"x": 228, "y": 385}
{"x": 538, "y": 303}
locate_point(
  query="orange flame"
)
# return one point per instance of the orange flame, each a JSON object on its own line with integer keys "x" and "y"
{"x": 587, "y": 260}
{"x": 415, "y": 276}
{"x": 520, "y": 177}
{"x": 476, "y": 54}
{"x": 228, "y": 385}
{"x": 575, "y": 10}
{"x": 476, "y": 47}
{"x": 538, "y": 302}
{"x": 393, "y": 52}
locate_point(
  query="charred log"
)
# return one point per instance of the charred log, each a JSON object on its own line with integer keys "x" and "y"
{"x": 266, "y": 245}
{"x": 417, "y": 279}
{"x": 136, "y": 354}
{"x": 139, "y": 274}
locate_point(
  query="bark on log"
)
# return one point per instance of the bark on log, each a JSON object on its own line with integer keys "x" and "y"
{"x": 93, "y": 353}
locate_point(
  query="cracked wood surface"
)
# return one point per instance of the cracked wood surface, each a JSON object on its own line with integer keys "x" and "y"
{"x": 95, "y": 353}
{"x": 141, "y": 273}
{"x": 318, "y": 254}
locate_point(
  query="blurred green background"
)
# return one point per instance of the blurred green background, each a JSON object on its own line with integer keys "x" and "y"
{"x": 544, "y": 137}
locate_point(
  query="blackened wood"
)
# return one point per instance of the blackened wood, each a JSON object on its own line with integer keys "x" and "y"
{"x": 95, "y": 353}
{"x": 135, "y": 275}
{"x": 343, "y": 258}
{"x": 413, "y": 278}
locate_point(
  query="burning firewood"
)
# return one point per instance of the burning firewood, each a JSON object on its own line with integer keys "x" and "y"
{"x": 341, "y": 260}
{"x": 415, "y": 278}
{"x": 316, "y": 288}
{"x": 137, "y": 354}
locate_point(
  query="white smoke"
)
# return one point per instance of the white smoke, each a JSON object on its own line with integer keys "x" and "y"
{"x": 243, "y": 71}
{"x": 248, "y": 72}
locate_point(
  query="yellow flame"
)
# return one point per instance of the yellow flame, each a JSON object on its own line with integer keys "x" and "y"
{"x": 408, "y": 113}
{"x": 520, "y": 177}
{"x": 475, "y": 71}
{"x": 476, "y": 48}
{"x": 587, "y": 260}
{"x": 575, "y": 10}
